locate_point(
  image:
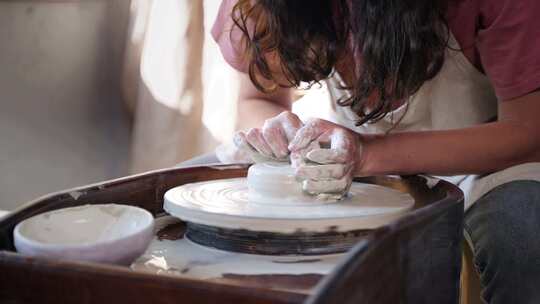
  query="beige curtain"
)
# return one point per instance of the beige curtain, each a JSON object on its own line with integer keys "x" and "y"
{"x": 181, "y": 93}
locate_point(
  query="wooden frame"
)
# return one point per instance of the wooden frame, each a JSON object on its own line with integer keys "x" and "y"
{"x": 24, "y": 280}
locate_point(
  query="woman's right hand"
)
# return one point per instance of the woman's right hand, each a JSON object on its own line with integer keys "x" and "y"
{"x": 272, "y": 140}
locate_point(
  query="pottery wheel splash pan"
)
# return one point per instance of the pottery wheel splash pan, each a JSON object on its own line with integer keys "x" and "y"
{"x": 224, "y": 214}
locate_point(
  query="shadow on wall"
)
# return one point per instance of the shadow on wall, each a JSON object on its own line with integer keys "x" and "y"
{"x": 62, "y": 121}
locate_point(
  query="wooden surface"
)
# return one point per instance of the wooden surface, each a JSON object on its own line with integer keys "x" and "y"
{"x": 470, "y": 280}
{"x": 389, "y": 262}
{"x": 415, "y": 260}
{"x": 25, "y": 280}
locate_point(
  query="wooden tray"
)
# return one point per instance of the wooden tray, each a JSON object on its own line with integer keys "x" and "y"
{"x": 41, "y": 280}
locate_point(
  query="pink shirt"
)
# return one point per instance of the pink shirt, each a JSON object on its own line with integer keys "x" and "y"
{"x": 499, "y": 37}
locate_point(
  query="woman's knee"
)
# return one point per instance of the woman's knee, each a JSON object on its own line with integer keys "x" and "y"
{"x": 514, "y": 204}
{"x": 503, "y": 227}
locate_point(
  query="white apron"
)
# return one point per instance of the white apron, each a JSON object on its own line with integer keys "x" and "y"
{"x": 458, "y": 97}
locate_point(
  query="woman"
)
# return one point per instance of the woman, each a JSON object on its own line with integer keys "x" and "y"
{"x": 420, "y": 86}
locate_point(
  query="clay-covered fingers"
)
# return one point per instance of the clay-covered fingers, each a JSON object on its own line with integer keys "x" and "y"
{"x": 298, "y": 157}
{"x": 325, "y": 179}
{"x": 328, "y": 156}
{"x": 276, "y": 139}
{"x": 272, "y": 140}
{"x": 290, "y": 123}
{"x": 278, "y": 131}
{"x": 342, "y": 147}
{"x": 240, "y": 141}
{"x": 242, "y": 144}
{"x": 310, "y": 132}
{"x": 256, "y": 139}
{"x": 336, "y": 186}
{"x": 322, "y": 172}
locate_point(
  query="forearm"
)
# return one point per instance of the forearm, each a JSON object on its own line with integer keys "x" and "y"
{"x": 252, "y": 112}
{"x": 476, "y": 150}
{"x": 254, "y": 107}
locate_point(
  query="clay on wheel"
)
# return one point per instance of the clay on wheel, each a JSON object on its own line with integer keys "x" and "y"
{"x": 275, "y": 202}
{"x": 274, "y": 183}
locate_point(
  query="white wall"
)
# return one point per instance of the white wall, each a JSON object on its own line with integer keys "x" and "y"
{"x": 62, "y": 122}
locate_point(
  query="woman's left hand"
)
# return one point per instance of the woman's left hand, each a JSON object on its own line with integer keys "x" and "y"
{"x": 324, "y": 155}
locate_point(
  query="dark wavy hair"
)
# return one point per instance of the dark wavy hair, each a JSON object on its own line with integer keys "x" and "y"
{"x": 400, "y": 43}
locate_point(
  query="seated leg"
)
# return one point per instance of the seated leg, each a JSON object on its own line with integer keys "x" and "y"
{"x": 504, "y": 229}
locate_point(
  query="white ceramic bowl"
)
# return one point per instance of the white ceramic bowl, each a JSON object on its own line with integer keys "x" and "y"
{"x": 97, "y": 233}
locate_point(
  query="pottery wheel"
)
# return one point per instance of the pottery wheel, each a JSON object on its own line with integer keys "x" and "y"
{"x": 269, "y": 205}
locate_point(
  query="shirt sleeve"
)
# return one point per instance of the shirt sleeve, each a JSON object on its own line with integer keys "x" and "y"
{"x": 229, "y": 37}
{"x": 509, "y": 46}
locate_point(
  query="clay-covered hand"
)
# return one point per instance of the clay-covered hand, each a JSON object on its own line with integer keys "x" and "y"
{"x": 324, "y": 156}
{"x": 229, "y": 154}
{"x": 272, "y": 140}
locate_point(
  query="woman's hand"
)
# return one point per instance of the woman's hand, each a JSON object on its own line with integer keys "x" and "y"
{"x": 324, "y": 155}
{"x": 272, "y": 140}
